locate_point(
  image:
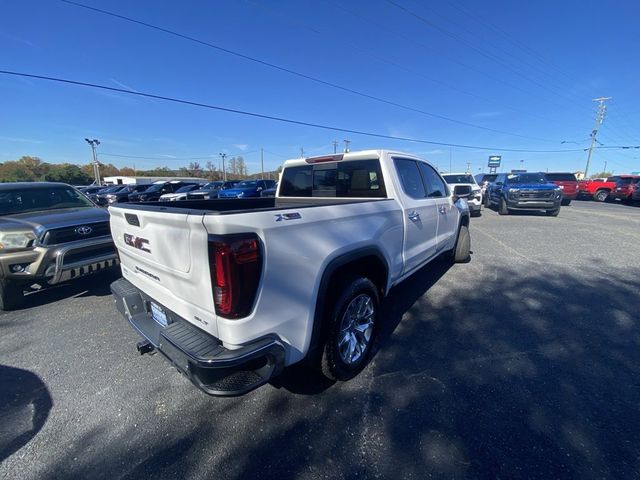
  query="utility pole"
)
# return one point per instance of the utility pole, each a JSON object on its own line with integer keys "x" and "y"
{"x": 450, "y": 160}
{"x": 96, "y": 166}
{"x": 605, "y": 167}
{"x": 468, "y": 167}
{"x": 346, "y": 145}
{"x": 602, "y": 110}
{"x": 262, "y": 162}
{"x": 224, "y": 167}
{"x": 335, "y": 146}
{"x": 301, "y": 152}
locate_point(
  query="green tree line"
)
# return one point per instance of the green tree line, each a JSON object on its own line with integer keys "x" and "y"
{"x": 33, "y": 169}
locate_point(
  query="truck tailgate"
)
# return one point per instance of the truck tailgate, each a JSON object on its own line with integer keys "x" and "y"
{"x": 156, "y": 250}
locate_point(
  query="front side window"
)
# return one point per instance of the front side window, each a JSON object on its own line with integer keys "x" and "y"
{"x": 410, "y": 179}
{"x": 463, "y": 178}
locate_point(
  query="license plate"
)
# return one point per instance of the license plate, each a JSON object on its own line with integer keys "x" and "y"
{"x": 158, "y": 315}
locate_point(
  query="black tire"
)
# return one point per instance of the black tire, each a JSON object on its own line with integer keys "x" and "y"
{"x": 502, "y": 207}
{"x": 486, "y": 200}
{"x": 601, "y": 196}
{"x": 461, "y": 252}
{"x": 356, "y": 292}
{"x": 553, "y": 213}
{"x": 11, "y": 296}
{"x": 476, "y": 213}
{"x": 565, "y": 202}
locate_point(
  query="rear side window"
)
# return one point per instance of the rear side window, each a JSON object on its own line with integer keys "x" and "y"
{"x": 410, "y": 178}
{"x": 625, "y": 181}
{"x": 346, "y": 179}
{"x": 561, "y": 177}
{"x": 435, "y": 185}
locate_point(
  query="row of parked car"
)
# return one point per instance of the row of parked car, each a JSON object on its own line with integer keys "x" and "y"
{"x": 625, "y": 188}
{"x": 178, "y": 190}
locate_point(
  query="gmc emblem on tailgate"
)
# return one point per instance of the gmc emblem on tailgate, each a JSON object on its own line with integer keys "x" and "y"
{"x": 137, "y": 242}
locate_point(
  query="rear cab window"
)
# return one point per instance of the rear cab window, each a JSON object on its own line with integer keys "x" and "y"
{"x": 625, "y": 181}
{"x": 342, "y": 179}
{"x": 561, "y": 177}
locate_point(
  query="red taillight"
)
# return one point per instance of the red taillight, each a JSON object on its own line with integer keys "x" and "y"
{"x": 236, "y": 265}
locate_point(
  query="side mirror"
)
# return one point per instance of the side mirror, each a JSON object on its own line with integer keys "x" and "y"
{"x": 461, "y": 191}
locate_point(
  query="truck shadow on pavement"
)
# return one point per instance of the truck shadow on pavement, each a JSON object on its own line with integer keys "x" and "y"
{"x": 25, "y": 403}
{"x": 520, "y": 373}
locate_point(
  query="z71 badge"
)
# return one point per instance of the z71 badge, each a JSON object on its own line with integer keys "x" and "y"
{"x": 137, "y": 242}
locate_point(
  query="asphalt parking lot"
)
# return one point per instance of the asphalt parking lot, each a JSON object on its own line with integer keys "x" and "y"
{"x": 523, "y": 363}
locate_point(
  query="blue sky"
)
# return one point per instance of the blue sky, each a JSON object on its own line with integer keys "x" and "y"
{"x": 526, "y": 68}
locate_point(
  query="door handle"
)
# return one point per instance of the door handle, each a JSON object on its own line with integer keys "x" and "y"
{"x": 414, "y": 216}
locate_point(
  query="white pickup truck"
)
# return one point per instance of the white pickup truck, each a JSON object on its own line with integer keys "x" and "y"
{"x": 231, "y": 291}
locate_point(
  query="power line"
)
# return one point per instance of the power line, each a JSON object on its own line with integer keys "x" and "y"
{"x": 476, "y": 49}
{"x": 450, "y": 59}
{"x": 297, "y": 23}
{"x": 520, "y": 45}
{"x": 299, "y": 74}
{"x": 285, "y": 120}
{"x": 119, "y": 155}
{"x": 173, "y": 157}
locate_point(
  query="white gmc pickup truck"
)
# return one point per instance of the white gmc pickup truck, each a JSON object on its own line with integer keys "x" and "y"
{"x": 231, "y": 291}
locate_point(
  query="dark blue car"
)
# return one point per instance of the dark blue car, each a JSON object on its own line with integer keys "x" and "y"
{"x": 524, "y": 191}
{"x": 247, "y": 189}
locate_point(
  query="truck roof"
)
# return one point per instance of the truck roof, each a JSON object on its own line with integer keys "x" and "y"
{"x": 359, "y": 155}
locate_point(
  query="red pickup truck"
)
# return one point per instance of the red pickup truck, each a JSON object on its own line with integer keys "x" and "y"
{"x": 597, "y": 189}
{"x": 567, "y": 183}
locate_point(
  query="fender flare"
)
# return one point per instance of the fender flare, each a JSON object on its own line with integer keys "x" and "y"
{"x": 324, "y": 287}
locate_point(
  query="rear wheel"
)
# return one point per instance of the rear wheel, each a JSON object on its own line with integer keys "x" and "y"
{"x": 553, "y": 213}
{"x": 566, "y": 202}
{"x": 601, "y": 195}
{"x": 11, "y": 296}
{"x": 502, "y": 207}
{"x": 487, "y": 200}
{"x": 352, "y": 328}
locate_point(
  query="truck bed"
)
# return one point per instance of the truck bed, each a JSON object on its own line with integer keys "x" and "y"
{"x": 224, "y": 206}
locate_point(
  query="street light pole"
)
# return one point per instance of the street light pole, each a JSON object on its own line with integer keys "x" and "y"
{"x": 224, "y": 167}
{"x": 96, "y": 166}
{"x": 262, "y": 162}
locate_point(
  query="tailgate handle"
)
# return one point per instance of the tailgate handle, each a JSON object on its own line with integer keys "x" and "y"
{"x": 132, "y": 219}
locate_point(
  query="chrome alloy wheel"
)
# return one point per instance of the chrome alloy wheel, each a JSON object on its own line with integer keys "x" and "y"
{"x": 356, "y": 329}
